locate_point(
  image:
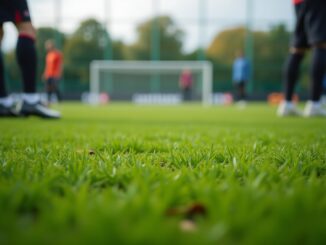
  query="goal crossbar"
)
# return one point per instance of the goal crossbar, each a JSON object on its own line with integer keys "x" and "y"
{"x": 154, "y": 66}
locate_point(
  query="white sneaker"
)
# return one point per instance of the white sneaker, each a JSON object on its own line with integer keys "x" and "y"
{"x": 38, "y": 109}
{"x": 241, "y": 104}
{"x": 314, "y": 109}
{"x": 286, "y": 109}
{"x": 323, "y": 100}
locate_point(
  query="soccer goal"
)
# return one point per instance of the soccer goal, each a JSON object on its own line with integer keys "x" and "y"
{"x": 151, "y": 82}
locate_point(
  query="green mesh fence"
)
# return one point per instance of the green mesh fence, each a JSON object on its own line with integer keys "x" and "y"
{"x": 164, "y": 30}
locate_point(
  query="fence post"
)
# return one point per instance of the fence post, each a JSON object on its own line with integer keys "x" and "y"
{"x": 249, "y": 43}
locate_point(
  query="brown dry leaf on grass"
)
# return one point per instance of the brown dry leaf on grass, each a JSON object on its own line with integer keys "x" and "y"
{"x": 91, "y": 152}
{"x": 188, "y": 213}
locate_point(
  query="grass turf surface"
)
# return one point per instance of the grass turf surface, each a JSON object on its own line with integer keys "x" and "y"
{"x": 110, "y": 175}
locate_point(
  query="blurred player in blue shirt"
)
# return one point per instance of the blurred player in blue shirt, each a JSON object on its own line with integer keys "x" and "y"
{"x": 241, "y": 75}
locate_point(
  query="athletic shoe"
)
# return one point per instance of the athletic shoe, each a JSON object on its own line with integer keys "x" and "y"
{"x": 286, "y": 109}
{"x": 38, "y": 109}
{"x": 323, "y": 100}
{"x": 8, "y": 111}
{"x": 241, "y": 104}
{"x": 314, "y": 110}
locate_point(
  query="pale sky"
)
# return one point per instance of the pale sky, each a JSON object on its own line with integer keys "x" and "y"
{"x": 124, "y": 15}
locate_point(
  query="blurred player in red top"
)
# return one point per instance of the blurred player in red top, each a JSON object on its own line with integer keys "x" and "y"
{"x": 53, "y": 70}
{"x": 310, "y": 33}
{"x": 185, "y": 83}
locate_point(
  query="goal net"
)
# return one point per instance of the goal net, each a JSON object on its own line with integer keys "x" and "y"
{"x": 151, "y": 82}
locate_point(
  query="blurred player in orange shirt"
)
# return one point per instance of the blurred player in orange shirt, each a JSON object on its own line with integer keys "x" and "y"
{"x": 53, "y": 70}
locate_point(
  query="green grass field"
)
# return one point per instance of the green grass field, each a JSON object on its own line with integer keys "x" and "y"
{"x": 114, "y": 175}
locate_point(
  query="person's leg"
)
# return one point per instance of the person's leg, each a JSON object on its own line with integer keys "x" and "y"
{"x": 3, "y": 91}
{"x": 316, "y": 22}
{"x": 324, "y": 85}
{"x": 190, "y": 94}
{"x": 184, "y": 94}
{"x": 298, "y": 49}
{"x": 48, "y": 90}
{"x": 242, "y": 91}
{"x": 237, "y": 93}
{"x": 291, "y": 77}
{"x": 58, "y": 93}
{"x": 17, "y": 12}
{"x": 292, "y": 70}
{"x": 57, "y": 90}
{"x": 318, "y": 69}
{"x": 292, "y": 65}
{"x": 27, "y": 60}
{"x": 241, "y": 102}
{"x": 6, "y": 102}
{"x": 54, "y": 90}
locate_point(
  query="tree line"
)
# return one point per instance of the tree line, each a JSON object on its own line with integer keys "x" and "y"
{"x": 91, "y": 41}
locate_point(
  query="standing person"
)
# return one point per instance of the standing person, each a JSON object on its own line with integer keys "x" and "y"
{"x": 309, "y": 33}
{"x": 324, "y": 85}
{"x": 16, "y": 11}
{"x": 185, "y": 83}
{"x": 323, "y": 99}
{"x": 53, "y": 70}
{"x": 241, "y": 75}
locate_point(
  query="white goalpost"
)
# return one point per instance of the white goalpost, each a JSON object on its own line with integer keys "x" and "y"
{"x": 102, "y": 73}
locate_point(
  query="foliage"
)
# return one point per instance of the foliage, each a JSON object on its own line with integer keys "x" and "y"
{"x": 226, "y": 44}
{"x": 169, "y": 36}
{"x": 270, "y": 49}
{"x": 92, "y": 41}
{"x": 87, "y": 43}
{"x": 269, "y": 52}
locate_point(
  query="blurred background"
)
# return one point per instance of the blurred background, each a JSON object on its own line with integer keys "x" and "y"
{"x": 214, "y": 30}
